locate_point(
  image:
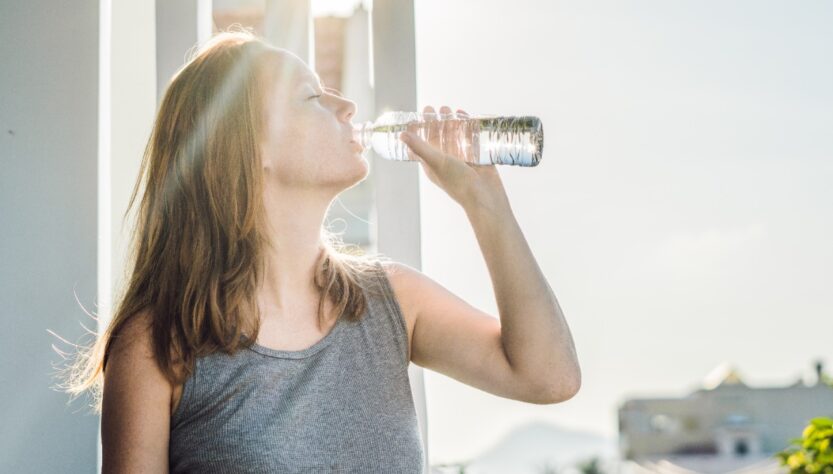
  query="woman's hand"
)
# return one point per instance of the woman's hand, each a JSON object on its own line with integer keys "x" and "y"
{"x": 445, "y": 165}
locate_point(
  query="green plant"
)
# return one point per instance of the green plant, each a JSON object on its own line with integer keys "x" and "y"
{"x": 812, "y": 453}
{"x": 591, "y": 466}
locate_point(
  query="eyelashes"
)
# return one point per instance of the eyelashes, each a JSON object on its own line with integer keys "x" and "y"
{"x": 330, "y": 90}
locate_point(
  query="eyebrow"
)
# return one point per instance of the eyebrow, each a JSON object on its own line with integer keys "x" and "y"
{"x": 318, "y": 79}
{"x": 310, "y": 76}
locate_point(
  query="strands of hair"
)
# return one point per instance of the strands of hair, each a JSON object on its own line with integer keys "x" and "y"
{"x": 196, "y": 253}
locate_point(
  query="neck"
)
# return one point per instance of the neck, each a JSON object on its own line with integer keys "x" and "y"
{"x": 287, "y": 291}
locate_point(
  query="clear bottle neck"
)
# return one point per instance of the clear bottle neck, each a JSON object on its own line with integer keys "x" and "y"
{"x": 362, "y": 132}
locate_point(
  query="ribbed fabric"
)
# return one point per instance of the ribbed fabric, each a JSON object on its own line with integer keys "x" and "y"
{"x": 342, "y": 405}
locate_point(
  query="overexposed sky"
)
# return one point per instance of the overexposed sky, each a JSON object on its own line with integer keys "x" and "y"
{"x": 337, "y": 7}
{"x": 683, "y": 209}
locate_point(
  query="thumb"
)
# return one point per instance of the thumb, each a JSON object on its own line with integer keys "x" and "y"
{"x": 422, "y": 149}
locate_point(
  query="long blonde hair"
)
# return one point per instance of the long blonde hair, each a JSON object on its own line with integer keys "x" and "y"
{"x": 196, "y": 255}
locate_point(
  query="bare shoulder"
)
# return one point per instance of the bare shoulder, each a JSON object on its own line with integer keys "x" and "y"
{"x": 132, "y": 346}
{"x": 133, "y": 338}
{"x": 136, "y": 398}
{"x": 452, "y": 337}
{"x": 404, "y": 281}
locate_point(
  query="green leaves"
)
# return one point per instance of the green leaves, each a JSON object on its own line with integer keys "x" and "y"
{"x": 812, "y": 452}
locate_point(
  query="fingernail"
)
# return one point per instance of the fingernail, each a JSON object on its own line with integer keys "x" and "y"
{"x": 405, "y": 137}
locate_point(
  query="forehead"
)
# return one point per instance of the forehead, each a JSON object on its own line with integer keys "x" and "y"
{"x": 306, "y": 76}
{"x": 289, "y": 76}
{"x": 294, "y": 71}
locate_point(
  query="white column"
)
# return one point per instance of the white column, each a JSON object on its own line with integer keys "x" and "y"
{"x": 287, "y": 24}
{"x": 397, "y": 183}
{"x": 132, "y": 109}
{"x": 180, "y": 26}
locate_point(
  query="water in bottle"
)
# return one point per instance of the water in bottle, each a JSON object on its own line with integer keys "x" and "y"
{"x": 476, "y": 139}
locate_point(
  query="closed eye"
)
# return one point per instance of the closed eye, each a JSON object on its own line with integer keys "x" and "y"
{"x": 329, "y": 90}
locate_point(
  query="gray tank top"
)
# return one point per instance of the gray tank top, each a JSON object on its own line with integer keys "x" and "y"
{"x": 342, "y": 405}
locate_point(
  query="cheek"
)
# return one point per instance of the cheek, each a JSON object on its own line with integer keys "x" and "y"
{"x": 306, "y": 147}
{"x": 287, "y": 140}
{"x": 317, "y": 128}
{"x": 295, "y": 155}
{"x": 308, "y": 130}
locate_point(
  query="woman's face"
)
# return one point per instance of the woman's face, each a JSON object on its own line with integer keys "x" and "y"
{"x": 308, "y": 136}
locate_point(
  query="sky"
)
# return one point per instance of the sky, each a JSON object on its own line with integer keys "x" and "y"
{"x": 682, "y": 208}
{"x": 337, "y": 7}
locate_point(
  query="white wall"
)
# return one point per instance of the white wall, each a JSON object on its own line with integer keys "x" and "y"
{"x": 49, "y": 88}
{"x": 133, "y": 109}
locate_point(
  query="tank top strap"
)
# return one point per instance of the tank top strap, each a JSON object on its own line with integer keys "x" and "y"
{"x": 387, "y": 305}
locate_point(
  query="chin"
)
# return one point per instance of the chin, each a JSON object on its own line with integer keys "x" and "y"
{"x": 362, "y": 169}
{"x": 351, "y": 172}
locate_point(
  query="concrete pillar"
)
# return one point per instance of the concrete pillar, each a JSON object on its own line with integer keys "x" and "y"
{"x": 49, "y": 142}
{"x": 180, "y": 26}
{"x": 397, "y": 183}
{"x": 132, "y": 109}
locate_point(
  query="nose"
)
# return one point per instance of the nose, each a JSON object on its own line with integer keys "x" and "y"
{"x": 347, "y": 110}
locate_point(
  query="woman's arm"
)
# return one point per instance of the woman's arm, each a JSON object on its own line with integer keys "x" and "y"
{"x": 136, "y": 405}
{"x": 535, "y": 334}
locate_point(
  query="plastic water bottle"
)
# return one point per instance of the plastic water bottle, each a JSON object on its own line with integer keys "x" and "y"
{"x": 476, "y": 139}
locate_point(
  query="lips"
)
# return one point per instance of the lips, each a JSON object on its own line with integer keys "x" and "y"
{"x": 357, "y": 145}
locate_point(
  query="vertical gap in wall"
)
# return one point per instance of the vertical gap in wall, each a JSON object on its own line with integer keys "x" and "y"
{"x": 373, "y": 232}
{"x": 310, "y": 36}
{"x": 204, "y": 21}
{"x": 104, "y": 149}
{"x": 371, "y": 72}
{"x": 104, "y": 244}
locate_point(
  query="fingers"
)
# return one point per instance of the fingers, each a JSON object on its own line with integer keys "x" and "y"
{"x": 430, "y": 114}
{"x": 438, "y": 127}
{"x": 421, "y": 150}
{"x": 432, "y": 131}
{"x": 443, "y": 110}
{"x": 450, "y": 128}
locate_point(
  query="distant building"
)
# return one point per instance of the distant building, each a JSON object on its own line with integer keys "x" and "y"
{"x": 726, "y": 426}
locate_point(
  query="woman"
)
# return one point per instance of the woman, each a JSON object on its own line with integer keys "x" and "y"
{"x": 245, "y": 341}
